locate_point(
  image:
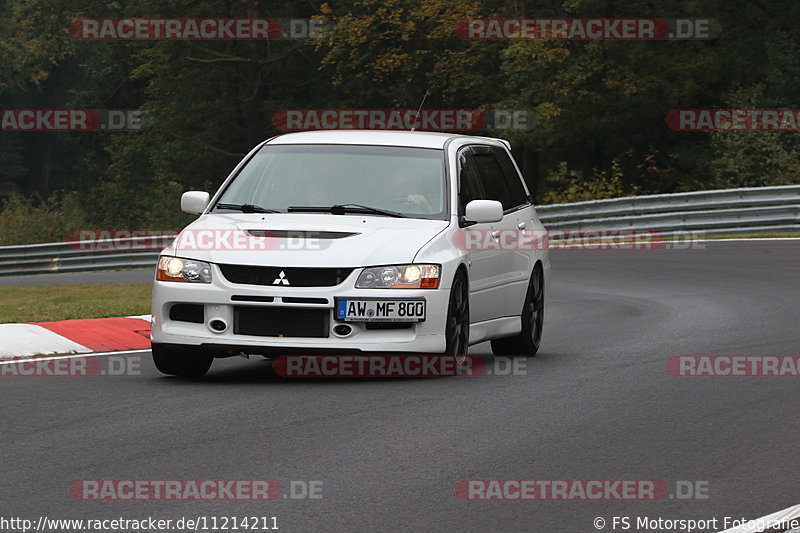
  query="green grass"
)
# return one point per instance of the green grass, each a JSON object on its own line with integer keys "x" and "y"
{"x": 44, "y": 303}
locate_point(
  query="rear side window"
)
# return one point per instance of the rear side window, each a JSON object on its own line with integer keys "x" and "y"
{"x": 516, "y": 191}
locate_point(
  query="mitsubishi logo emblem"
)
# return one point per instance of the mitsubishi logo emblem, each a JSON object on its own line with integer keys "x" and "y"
{"x": 281, "y": 279}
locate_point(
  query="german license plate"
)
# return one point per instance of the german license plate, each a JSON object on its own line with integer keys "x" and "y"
{"x": 380, "y": 309}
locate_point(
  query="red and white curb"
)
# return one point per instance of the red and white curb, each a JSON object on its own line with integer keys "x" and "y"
{"x": 82, "y": 336}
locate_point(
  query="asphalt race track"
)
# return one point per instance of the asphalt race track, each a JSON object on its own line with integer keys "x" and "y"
{"x": 596, "y": 403}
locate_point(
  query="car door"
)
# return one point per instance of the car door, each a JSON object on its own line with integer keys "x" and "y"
{"x": 487, "y": 272}
{"x": 514, "y": 261}
{"x": 526, "y": 241}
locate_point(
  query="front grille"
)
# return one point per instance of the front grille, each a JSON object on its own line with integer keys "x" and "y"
{"x": 241, "y": 298}
{"x": 187, "y": 313}
{"x": 281, "y": 321}
{"x": 299, "y": 300}
{"x": 292, "y": 276}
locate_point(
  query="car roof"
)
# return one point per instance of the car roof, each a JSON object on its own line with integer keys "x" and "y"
{"x": 411, "y": 139}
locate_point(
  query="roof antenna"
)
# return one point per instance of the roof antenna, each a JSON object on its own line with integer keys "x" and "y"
{"x": 420, "y": 109}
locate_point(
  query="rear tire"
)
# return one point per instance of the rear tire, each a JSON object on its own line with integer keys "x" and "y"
{"x": 181, "y": 361}
{"x": 528, "y": 340}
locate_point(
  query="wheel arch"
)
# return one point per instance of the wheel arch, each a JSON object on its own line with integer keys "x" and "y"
{"x": 462, "y": 268}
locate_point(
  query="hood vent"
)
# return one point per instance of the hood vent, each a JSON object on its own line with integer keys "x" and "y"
{"x": 298, "y": 234}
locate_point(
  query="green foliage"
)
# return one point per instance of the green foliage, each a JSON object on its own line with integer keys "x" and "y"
{"x": 566, "y": 186}
{"x": 389, "y": 53}
{"x": 754, "y": 158}
{"x": 600, "y": 130}
{"x": 25, "y": 221}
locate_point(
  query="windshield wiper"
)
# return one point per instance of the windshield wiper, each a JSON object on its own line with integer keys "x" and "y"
{"x": 246, "y": 208}
{"x": 341, "y": 209}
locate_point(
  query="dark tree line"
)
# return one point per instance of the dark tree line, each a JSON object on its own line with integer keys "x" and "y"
{"x": 600, "y": 106}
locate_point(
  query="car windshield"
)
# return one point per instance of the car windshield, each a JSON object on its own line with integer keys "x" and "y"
{"x": 409, "y": 181}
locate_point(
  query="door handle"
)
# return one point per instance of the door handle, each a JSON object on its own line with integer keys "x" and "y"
{"x": 495, "y": 234}
{"x": 521, "y": 225}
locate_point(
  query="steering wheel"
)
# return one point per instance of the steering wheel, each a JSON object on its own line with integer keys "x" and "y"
{"x": 402, "y": 202}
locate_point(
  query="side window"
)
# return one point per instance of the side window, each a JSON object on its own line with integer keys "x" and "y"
{"x": 494, "y": 183}
{"x": 517, "y": 194}
{"x": 470, "y": 182}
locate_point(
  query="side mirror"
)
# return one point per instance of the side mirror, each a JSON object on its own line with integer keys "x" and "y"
{"x": 483, "y": 212}
{"x": 194, "y": 202}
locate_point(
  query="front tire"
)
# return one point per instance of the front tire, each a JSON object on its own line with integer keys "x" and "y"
{"x": 528, "y": 340}
{"x": 456, "y": 329}
{"x": 180, "y": 361}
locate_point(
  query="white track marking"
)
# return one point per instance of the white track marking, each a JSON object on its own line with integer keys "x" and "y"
{"x": 141, "y": 317}
{"x": 770, "y": 521}
{"x": 11, "y": 359}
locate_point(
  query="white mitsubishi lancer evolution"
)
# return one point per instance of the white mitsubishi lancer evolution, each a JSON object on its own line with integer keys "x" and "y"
{"x": 347, "y": 242}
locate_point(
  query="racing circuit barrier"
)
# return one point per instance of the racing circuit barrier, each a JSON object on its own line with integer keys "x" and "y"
{"x": 71, "y": 257}
{"x": 718, "y": 212}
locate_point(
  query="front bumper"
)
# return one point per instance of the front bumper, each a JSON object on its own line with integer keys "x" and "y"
{"x": 219, "y": 299}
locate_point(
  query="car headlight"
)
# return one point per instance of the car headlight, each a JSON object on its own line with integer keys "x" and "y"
{"x": 399, "y": 277}
{"x": 177, "y": 269}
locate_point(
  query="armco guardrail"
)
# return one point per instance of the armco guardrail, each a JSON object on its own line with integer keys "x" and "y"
{"x": 727, "y": 211}
{"x": 750, "y": 210}
{"x": 77, "y": 256}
